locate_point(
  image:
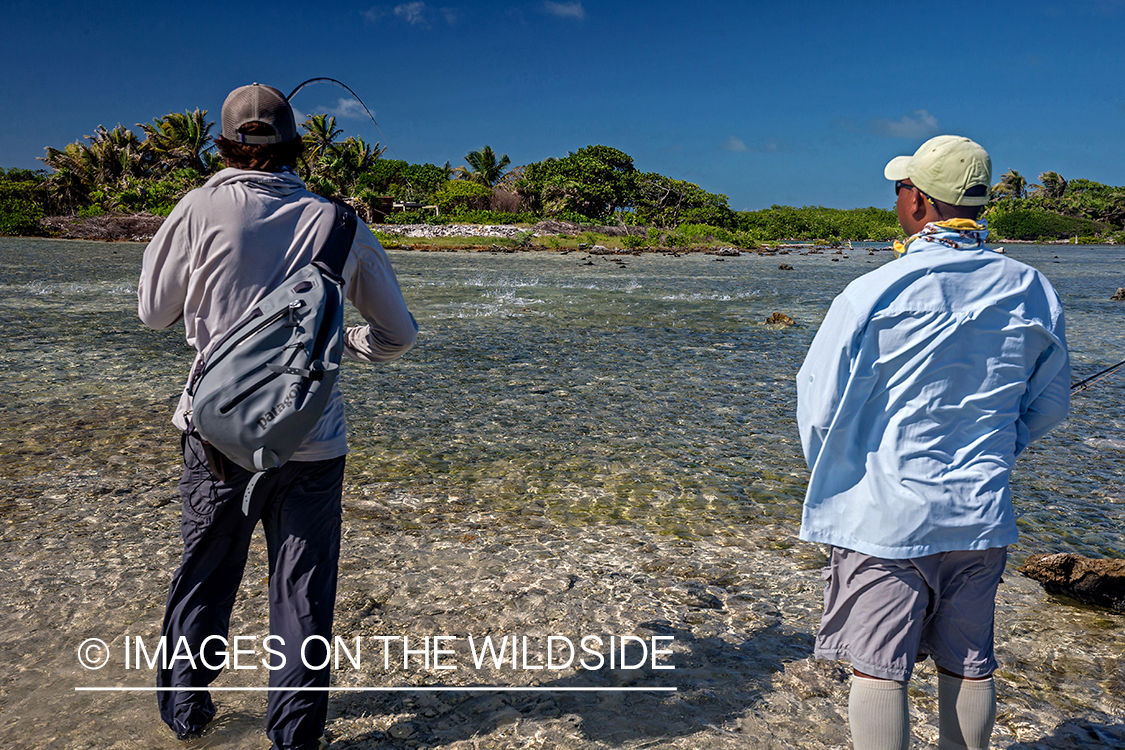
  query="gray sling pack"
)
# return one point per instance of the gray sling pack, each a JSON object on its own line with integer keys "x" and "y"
{"x": 261, "y": 388}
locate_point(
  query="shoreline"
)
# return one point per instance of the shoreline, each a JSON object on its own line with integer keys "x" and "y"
{"x": 142, "y": 226}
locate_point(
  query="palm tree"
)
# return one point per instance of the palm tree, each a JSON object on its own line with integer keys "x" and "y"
{"x": 485, "y": 169}
{"x": 74, "y": 173}
{"x": 1011, "y": 184}
{"x": 111, "y": 158}
{"x": 118, "y": 154}
{"x": 348, "y": 161}
{"x": 178, "y": 141}
{"x": 320, "y": 134}
{"x": 1054, "y": 186}
{"x": 358, "y": 155}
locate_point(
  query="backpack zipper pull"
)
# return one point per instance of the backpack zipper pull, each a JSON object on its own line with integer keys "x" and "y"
{"x": 294, "y": 306}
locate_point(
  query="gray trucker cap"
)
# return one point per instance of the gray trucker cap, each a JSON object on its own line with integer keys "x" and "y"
{"x": 257, "y": 103}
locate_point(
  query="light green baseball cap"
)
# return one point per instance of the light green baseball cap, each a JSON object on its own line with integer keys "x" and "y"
{"x": 948, "y": 168}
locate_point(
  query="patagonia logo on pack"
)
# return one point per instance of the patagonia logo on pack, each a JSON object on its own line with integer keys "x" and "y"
{"x": 275, "y": 412}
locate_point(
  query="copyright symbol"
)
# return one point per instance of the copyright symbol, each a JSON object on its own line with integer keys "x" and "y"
{"x": 93, "y": 653}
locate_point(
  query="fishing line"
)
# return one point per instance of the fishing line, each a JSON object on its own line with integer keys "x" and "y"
{"x": 1084, "y": 384}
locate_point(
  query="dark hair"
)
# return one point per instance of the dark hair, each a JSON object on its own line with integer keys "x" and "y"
{"x": 265, "y": 157}
{"x": 950, "y": 211}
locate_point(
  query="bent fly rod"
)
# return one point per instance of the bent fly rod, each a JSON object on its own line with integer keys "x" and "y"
{"x": 340, "y": 84}
{"x": 1084, "y": 384}
{"x": 347, "y": 88}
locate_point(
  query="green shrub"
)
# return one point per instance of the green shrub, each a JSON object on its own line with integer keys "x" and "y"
{"x": 94, "y": 209}
{"x": 386, "y": 239}
{"x": 490, "y": 217}
{"x": 397, "y": 178}
{"x": 457, "y": 196}
{"x": 594, "y": 181}
{"x": 633, "y": 241}
{"x": 421, "y": 216}
{"x": 677, "y": 239}
{"x": 884, "y": 233}
{"x": 577, "y": 218}
{"x": 1026, "y": 223}
{"x": 817, "y": 222}
{"x": 21, "y": 208}
{"x": 699, "y": 233}
{"x": 667, "y": 202}
{"x": 748, "y": 240}
{"x": 161, "y": 196}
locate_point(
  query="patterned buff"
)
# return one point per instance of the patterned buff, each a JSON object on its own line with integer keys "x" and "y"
{"x": 955, "y": 233}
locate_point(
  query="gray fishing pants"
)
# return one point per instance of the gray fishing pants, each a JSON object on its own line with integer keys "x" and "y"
{"x": 299, "y": 507}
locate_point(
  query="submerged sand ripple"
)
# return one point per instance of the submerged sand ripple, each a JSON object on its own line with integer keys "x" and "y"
{"x": 88, "y": 552}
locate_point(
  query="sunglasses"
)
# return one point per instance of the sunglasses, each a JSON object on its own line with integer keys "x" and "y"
{"x": 899, "y": 185}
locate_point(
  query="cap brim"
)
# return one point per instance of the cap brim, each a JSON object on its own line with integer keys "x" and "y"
{"x": 896, "y": 168}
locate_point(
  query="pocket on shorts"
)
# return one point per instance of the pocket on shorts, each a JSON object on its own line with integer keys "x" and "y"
{"x": 826, "y": 575}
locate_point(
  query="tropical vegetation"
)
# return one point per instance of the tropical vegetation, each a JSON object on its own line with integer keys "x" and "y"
{"x": 1056, "y": 209}
{"x": 485, "y": 168}
{"x": 118, "y": 171}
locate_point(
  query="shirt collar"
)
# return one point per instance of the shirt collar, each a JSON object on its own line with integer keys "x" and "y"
{"x": 960, "y": 234}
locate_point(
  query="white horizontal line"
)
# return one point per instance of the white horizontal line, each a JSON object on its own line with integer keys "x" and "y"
{"x": 406, "y": 689}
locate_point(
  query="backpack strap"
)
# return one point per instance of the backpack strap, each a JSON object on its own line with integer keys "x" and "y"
{"x": 334, "y": 254}
{"x": 249, "y": 491}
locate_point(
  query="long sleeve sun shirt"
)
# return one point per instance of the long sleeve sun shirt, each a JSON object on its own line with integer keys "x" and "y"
{"x": 228, "y": 244}
{"x": 926, "y": 379}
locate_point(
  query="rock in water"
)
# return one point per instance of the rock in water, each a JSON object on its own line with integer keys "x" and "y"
{"x": 780, "y": 319}
{"x": 1098, "y": 582}
{"x": 1119, "y": 295}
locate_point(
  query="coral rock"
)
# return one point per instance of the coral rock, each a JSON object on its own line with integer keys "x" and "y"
{"x": 1098, "y": 582}
{"x": 780, "y": 319}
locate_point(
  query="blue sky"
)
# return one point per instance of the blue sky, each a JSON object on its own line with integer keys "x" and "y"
{"x": 789, "y": 103}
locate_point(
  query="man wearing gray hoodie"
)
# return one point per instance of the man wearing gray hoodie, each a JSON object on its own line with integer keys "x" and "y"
{"x": 223, "y": 248}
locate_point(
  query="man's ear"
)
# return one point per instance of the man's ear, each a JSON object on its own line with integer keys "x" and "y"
{"x": 919, "y": 206}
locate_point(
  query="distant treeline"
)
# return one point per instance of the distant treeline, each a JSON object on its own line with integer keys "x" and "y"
{"x": 115, "y": 171}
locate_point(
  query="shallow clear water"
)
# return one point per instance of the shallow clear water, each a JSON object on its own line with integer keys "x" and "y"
{"x": 545, "y": 393}
{"x": 646, "y": 392}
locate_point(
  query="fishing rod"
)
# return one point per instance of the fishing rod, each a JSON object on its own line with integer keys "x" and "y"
{"x": 1083, "y": 385}
{"x": 342, "y": 85}
{"x": 347, "y": 88}
{"x": 365, "y": 109}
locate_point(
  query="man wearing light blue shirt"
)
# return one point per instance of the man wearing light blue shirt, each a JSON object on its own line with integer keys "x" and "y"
{"x": 926, "y": 379}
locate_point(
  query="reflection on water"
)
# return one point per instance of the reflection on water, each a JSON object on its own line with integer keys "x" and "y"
{"x": 547, "y": 388}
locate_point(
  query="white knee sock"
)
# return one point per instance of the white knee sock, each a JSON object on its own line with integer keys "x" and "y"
{"x": 966, "y": 712}
{"x": 878, "y": 714}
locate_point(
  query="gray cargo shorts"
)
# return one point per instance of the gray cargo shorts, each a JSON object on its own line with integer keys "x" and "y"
{"x": 882, "y": 614}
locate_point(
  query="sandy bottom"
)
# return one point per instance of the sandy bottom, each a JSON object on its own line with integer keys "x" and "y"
{"x": 88, "y": 553}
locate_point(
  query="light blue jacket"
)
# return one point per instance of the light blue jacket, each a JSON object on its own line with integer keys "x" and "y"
{"x": 926, "y": 379}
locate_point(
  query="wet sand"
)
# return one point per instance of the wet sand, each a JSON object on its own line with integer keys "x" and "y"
{"x": 89, "y": 548}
